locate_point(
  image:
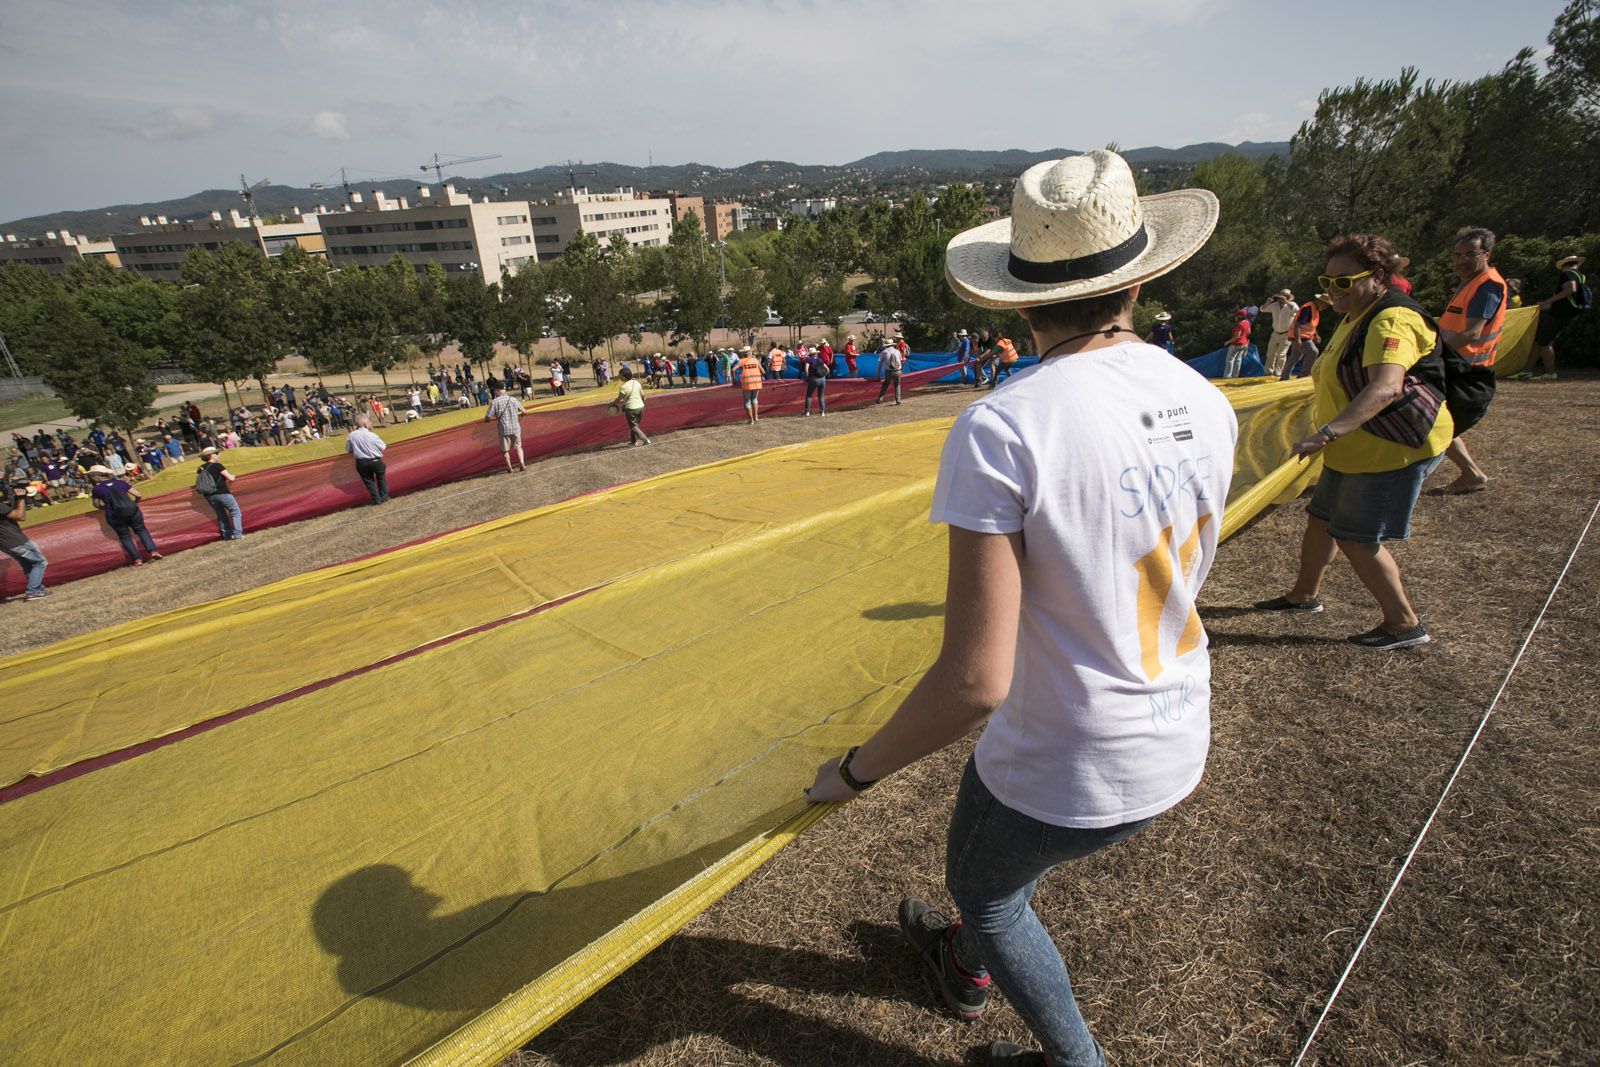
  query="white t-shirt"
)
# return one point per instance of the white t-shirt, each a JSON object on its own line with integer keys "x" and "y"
{"x": 1114, "y": 464}
{"x": 1283, "y": 316}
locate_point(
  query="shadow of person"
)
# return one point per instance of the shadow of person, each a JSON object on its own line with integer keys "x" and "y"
{"x": 390, "y": 939}
{"x": 903, "y": 612}
{"x": 382, "y": 928}
{"x": 695, "y": 986}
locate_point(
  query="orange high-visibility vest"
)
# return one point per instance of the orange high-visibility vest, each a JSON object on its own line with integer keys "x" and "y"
{"x": 1008, "y": 351}
{"x": 1454, "y": 318}
{"x": 1306, "y": 330}
{"x": 749, "y": 373}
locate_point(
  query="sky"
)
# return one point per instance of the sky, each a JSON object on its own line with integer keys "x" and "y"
{"x": 123, "y": 101}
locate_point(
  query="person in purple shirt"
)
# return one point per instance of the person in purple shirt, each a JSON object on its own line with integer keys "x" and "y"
{"x": 120, "y": 502}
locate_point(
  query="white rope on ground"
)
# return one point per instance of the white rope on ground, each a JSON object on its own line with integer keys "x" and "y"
{"x": 1451, "y": 781}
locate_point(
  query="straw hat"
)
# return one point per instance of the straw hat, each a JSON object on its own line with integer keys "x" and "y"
{"x": 208, "y": 451}
{"x": 1163, "y": 316}
{"x": 100, "y": 468}
{"x": 1286, "y": 294}
{"x": 1078, "y": 228}
{"x": 1568, "y": 261}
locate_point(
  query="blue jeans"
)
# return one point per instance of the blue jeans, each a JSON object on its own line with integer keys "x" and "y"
{"x": 1235, "y": 360}
{"x": 32, "y": 562}
{"x": 126, "y": 532}
{"x": 1368, "y": 509}
{"x": 230, "y": 523}
{"x": 993, "y": 863}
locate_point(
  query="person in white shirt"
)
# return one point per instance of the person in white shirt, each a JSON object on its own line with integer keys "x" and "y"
{"x": 1084, "y": 502}
{"x": 1284, "y": 312}
{"x": 367, "y": 448}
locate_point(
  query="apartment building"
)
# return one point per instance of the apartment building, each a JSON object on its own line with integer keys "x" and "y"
{"x": 158, "y": 248}
{"x": 646, "y": 221}
{"x": 55, "y": 252}
{"x": 451, "y": 229}
{"x": 812, "y": 208}
{"x": 717, "y": 217}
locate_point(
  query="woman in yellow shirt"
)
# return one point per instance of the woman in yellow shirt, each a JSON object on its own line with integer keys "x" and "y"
{"x": 1382, "y": 427}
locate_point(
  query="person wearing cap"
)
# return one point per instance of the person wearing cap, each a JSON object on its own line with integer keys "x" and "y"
{"x": 1238, "y": 344}
{"x": 1161, "y": 333}
{"x": 747, "y": 372}
{"x": 963, "y": 353}
{"x": 120, "y": 502}
{"x": 1556, "y": 313}
{"x": 367, "y": 448}
{"x": 1083, "y": 654}
{"x": 1284, "y": 311}
{"x": 850, "y": 354}
{"x": 218, "y": 481}
{"x": 19, "y": 546}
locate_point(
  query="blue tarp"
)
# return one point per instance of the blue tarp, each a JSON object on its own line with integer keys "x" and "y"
{"x": 1212, "y": 364}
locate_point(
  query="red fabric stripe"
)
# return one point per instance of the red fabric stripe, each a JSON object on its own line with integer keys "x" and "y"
{"x": 37, "y": 783}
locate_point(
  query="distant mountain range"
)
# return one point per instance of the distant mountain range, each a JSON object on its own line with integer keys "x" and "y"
{"x": 770, "y": 179}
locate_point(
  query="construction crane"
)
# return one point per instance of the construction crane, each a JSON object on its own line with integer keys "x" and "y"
{"x": 438, "y": 164}
{"x": 572, "y": 175}
{"x": 247, "y": 193}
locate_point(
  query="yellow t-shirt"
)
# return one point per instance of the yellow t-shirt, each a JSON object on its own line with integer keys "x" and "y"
{"x": 1398, "y": 336}
{"x": 632, "y": 395}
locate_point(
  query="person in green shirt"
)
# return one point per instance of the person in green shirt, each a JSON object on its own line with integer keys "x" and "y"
{"x": 630, "y": 399}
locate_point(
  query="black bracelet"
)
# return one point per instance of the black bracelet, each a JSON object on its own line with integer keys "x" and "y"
{"x": 849, "y": 779}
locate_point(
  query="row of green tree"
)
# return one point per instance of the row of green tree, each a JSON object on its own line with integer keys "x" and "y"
{"x": 1516, "y": 151}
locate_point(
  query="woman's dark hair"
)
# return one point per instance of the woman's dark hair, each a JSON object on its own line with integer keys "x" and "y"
{"x": 626, "y": 372}
{"x": 1078, "y": 315}
{"x": 1372, "y": 251}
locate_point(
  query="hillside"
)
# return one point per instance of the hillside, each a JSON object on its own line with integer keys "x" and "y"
{"x": 762, "y": 183}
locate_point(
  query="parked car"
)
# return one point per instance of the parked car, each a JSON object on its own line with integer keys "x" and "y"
{"x": 870, "y": 318}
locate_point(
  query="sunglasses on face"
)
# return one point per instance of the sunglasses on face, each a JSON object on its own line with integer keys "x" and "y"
{"x": 1342, "y": 281}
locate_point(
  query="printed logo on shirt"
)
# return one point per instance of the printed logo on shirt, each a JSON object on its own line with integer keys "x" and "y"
{"x": 1391, "y": 342}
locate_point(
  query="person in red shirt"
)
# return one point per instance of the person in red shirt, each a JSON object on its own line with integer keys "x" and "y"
{"x": 1238, "y": 344}
{"x": 825, "y": 350}
{"x": 850, "y": 353}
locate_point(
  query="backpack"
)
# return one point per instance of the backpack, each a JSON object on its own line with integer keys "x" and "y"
{"x": 1584, "y": 297}
{"x": 121, "y": 508}
{"x": 206, "y": 483}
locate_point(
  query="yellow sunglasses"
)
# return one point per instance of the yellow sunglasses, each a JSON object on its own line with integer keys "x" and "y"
{"x": 1343, "y": 281}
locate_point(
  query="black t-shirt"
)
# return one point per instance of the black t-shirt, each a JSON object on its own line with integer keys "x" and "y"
{"x": 215, "y": 470}
{"x": 11, "y": 535}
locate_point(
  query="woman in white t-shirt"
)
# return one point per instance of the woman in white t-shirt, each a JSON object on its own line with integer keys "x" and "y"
{"x": 1084, "y": 502}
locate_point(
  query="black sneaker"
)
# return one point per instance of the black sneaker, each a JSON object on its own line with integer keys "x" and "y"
{"x": 1380, "y": 640}
{"x": 1006, "y": 1054}
{"x": 1283, "y": 603}
{"x": 929, "y": 933}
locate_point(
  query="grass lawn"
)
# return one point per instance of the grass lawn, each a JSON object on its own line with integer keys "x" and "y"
{"x": 34, "y": 407}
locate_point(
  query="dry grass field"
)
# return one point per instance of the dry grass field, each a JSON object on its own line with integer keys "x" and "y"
{"x": 1216, "y": 935}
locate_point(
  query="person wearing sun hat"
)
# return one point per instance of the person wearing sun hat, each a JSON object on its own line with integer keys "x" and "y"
{"x": 1284, "y": 311}
{"x": 1161, "y": 334}
{"x": 1110, "y": 461}
{"x": 1555, "y": 315}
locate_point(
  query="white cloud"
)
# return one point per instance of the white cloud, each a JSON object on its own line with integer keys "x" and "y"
{"x": 330, "y": 125}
